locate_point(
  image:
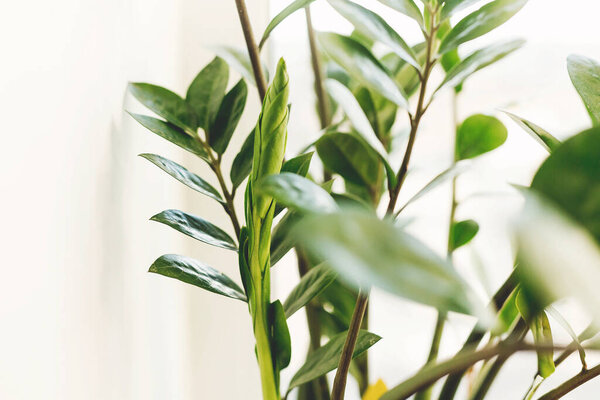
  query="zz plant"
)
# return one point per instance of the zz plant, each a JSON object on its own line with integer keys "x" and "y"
{"x": 346, "y": 224}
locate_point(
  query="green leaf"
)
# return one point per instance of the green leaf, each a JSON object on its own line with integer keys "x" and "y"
{"x": 172, "y": 133}
{"x": 453, "y": 6}
{"x": 242, "y": 163}
{"x": 480, "y": 22}
{"x": 206, "y": 92}
{"x": 479, "y": 134}
{"x": 544, "y": 138}
{"x": 585, "y": 75}
{"x": 298, "y": 165}
{"x": 282, "y": 241}
{"x": 297, "y": 193}
{"x": 280, "y": 336}
{"x": 369, "y": 252}
{"x": 228, "y": 117}
{"x": 406, "y": 7}
{"x": 239, "y": 61}
{"x": 196, "y": 273}
{"x": 286, "y": 12}
{"x": 311, "y": 285}
{"x": 479, "y": 60}
{"x": 542, "y": 336}
{"x": 553, "y": 312}
{"x": 571, "y": 178}
{"x": 165, "y": 104}
{"x": 184, "y": 176}
{"x": 196, "y": 227}
{"x": 326, "y": 358}
{"x": 462, "y": 233}
{"x": 375, "y": 28}
{"x": 349, "y": 157}
{"x": 507, "y": 315}
{"x": 361, "y": 65}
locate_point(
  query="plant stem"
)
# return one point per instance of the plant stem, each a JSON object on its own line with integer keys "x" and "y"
{"x": 253, "y": 51}
{"x": 339, "y": 383}
{"x": 322, "y": 102}
{"x": 572, "y": 384}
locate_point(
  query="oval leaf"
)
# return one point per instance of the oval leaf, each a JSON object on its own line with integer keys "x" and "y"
{"x": 280, "y": 336}
{"x": 286, "y": 12}
{"x": 406, "y": 7}
{"x": 196, "y": 227}
{"x": 462, "y": 233}
{"x": 479, "y": 134}
{"x": 228, "y": 117}
{"x": 242, "y": 163}
{"x": 542, "y": 136}
{"x": 206, "y": 92}
{"x": 585, "y": 75}
{"x": 196, "y": 273}
{"x": 311, "y": 285}
{"x": 298, "y": 165}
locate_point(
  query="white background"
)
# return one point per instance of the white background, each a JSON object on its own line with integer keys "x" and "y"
{"x": 79, "y": 315}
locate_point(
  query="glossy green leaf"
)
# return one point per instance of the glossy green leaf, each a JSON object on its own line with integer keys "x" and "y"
{"x": 585, "y": 75}
{"x": 462, "y": 233}
{"x": 238, "y": 60}
{"x": 242, "y": 163}
{"x": 507, "y": 315}
{"x": 282, "y": 241}
{"x": 453, "y": 6}
{"x": 311, "y": 285}
{"x": 349, "y": 157}
{"x": 369, "y": 252}
{"x": 542, "y": 136}
{"x": 298, "y": 165}
{"x": 480, "y": 22}
{"x": 326, "y": 358}
{"x": 406, "y": 7}
{"x": 206, "y": 92}
{"x": 297, "y": 193}
{"x": 375, "y": 28}
{"x": 361, "y": 65}
{"x": 228, "y": 117}
{"x": 571, "y": 178}
{"x": 184, "y": 176}
{"x": 172, "y": 133}
{"x": 165, "y": 104}
{"x": 196, "y": 227}
{"x": 279, "y": 18}
{"x": 479, "y": 134}
{"x": 280, "y": 336}
{"x": 196, "y": 273}
{"x": 479, "y": 60}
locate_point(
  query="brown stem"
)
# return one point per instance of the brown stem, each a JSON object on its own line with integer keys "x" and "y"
{"x": 253, "y": 52}
{"x": 572, "y": 384}
{"x": 315, "y": 57}
{"x": 229, "y": 206}
{"x": 341, "y": 376}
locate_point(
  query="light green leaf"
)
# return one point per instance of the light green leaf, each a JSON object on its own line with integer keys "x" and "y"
{"x": 557, "y": 316}
{"x": 165, "y": 104}
{"x": 196, "y": 227}
{"x": 361, "y": 65}
{"x": 196, "y": 273}
{"x": 242, "y": 163}
{"x": 375, "y": 28}
{"x": 184, "y": 176}
{"x": 507, "y": 315}
{"x": 206, "y": 92}
{"x": 480, "y": 22}
{"x": 542, "y": 336}
{"x": 462, "y": 233}
{"x": 544, "y": 138}
{"x": 279, "y": 18}
{"x": 280, "y": 341}
{"x": 172, "y": 133}
{"x": 406, "y": 7}
{"x": 326, "y": 358}
{"x": 297, "y": 193}
{"x": 585, "y": 75}
{"x": 239, "y": 61}
{"x": 453, "y": 6}
{"x": 228, "y": 117}
{"x": 311, "y": 285}
{"x": 479, "y": 134}
{"x": 479, "y": 60}
{"x": 369, "y": 252}
{"x": 298, "y": 165}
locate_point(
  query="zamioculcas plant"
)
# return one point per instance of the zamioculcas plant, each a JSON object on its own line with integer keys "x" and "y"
{"x": 346, "y": 223}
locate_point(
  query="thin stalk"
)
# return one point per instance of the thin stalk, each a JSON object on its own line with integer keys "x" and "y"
{"x": 572, "y": 384}
{"x": 253, "y": 51}
{"x": 317, "y": 66}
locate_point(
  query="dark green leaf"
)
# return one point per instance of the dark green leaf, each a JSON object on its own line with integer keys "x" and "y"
{"x": 297, "y": 193}
{"x": 172, "y": 133}
{"x": 239, "y": 61}
{"x": 544, "y": 138}
{"x": 206, "y": 92}
{"x": 361, "y": 65}
{"x": 326, "y": 358}
{"x": 406, "y": 7}
{"x": 480, "y": 22}
{"x": 369, "y": 252}
{"x": 286, "y": 12}
{"x": 228, "y": 117}
{"x": 281, "y": 239}
{"x": 165, "y": 104}
{"x": 479, "y": 134}
{"x": 242, "y": 163}
{"x": 375, "y": 28}
{"x": 479, "y": 60}
{"x": 281, "y": 341}
{"x": 462, "y": 233}
{"x": 298, "y": 165}
{"x": 453, "y": 6}
{"x": 585, "y": 75}
{"x": 195, "y": 273}
{"x": 311, "y": 285}
{"x": 196, "y": 227}
{"x": 184, "y": 176}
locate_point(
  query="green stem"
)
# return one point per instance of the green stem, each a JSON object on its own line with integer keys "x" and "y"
{"x": 572, "y": 384}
